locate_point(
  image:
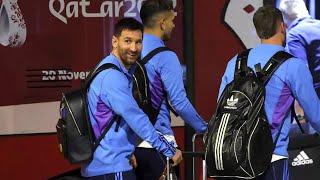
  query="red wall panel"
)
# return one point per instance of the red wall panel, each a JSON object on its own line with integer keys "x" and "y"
{"x": 37, "y": 157}
{"x": 215, "y": 45}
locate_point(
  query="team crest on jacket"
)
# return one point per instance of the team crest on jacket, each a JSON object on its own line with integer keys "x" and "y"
{"x": 237, "y": 15}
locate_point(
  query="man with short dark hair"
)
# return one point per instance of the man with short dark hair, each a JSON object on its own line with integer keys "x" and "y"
{"x": 110, "y": 94}
{"x": 165, "y": 74}
{"x": 292, "y": 80}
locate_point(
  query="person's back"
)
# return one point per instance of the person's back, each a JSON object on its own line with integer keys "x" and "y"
{"x": 291, "y": 75}
{"x": 164, "y": 69}
{"x": 165, "y": 75}
{"x": 156, "y": 69}
{"x": 303, "y": 36}
{"x": 292, "y": 80}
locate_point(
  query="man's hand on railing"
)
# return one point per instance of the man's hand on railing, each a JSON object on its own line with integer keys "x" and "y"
{"x": 177, "y": 158}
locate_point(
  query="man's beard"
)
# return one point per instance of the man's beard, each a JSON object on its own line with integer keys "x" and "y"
{"x": 166, "y": 37}
{"x": 125, "y": 60}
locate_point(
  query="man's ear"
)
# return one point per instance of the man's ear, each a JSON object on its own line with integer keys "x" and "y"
{"x": 162, "y": 24}
{"x": 283, "y": 27}
{"x": 114, "y": 42}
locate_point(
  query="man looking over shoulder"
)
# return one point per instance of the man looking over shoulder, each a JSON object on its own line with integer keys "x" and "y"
{"x": 110, "y": 94}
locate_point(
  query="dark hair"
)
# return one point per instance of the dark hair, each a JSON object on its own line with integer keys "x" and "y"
{"x": 266, "y": 20}
{"x": 127, "y": 23}
{"x": 151, "y": 8}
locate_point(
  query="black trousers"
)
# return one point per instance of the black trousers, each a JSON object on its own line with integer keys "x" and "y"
{"x": 277, "y": 170}
{"x": 151, "y": 164}
{"x": 126, "y": 175}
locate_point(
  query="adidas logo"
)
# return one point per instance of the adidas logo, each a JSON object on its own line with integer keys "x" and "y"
{"x": 301, "y": 159}
{"x": 231, "y": 101}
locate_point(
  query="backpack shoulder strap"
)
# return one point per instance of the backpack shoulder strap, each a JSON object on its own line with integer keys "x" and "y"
{"x": 88, "y": 81}
{"x": 241, "y": 63}
{"x": 272, "y": 65}
{"x": 107, "y": 128}
{"x": 146, "y": 59}
{"x": 94, "y": 73}
{"x": 153, "y": 53}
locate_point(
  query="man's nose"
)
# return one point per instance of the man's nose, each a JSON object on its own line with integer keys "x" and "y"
{"x": 133, "y": 47}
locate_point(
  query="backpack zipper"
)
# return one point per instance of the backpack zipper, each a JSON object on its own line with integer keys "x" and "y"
{"x": 234, "y": 142}
{"x": 249, "y": 144}
{"x": 140, "y": 96}
{"x": 74, "y": 120}
{"x": 145, "y": 81}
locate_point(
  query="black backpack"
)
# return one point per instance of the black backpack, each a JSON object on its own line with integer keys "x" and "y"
{"x": 141, "y": 89}
{"x": 75, "y": 134}
{"x": 238, "y": 141}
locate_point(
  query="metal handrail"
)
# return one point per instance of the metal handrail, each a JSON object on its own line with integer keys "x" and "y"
{"x": 196, "y": 154}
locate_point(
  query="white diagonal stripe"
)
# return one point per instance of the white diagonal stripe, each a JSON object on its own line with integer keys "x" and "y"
{"x": 219, "y": 141}
{"x": 217, "y": 145}
{"x": 300, "y": 157}
{"x": 222, "y": 136}
{"x": 304, "y": 155}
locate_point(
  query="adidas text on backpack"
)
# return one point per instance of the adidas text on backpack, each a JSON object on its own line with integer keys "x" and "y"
{"x": 238, "y": 141}
{"x": 75, "y": 134}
